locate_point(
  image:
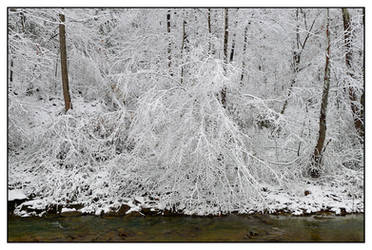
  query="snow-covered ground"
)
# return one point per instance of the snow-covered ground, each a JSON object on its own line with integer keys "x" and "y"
{"x": 308, "y": 199}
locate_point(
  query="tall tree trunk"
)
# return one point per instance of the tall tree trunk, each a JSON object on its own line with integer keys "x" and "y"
{"x": 226, "y": 36}
{"x": 11, "y": 71}
{"x": 62, "y": 44}
{"x": 244, "y": 52}
{"x": 295, "y": 69}
{"x": 225, "y": 53}
{"x": 209, "y": 30}
{"x": 23, "y": 21}
{"x": 183, "y": 47}
{"x": 233, "y": 39}
{"x": 357, "y": 113}
{"x": 317, "y": 156}
{"x": 169, "y": 42}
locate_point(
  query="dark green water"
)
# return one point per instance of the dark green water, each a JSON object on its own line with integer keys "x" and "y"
{"x": 228, "y": 228}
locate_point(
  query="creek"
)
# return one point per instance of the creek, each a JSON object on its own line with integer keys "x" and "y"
{"x": 186, "y": 228}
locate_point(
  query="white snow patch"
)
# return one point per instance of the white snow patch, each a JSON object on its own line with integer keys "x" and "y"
{"x": 140, "y": 199}
{"x": 297, "y": 212}
{"x": 336, "y": 210}
{"x": 36, "y": 204}
{"x": 65, "y": 210}
{"x": 98, "y": 212}
{"x": 16, "y": 194}
{"x": 131, "y": 204}
{"x": 107, "y": 209}
{"x": 87, "y": 210}
{"x": 134, "y": 209}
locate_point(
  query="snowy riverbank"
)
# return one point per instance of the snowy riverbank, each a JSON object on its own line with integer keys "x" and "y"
{"x": 310, "y": 199}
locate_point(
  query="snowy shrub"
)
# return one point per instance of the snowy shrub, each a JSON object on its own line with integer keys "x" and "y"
{"x": 75, "y": 147}
{"x": 19, "y": 136}
{"x": 189, "y": 152}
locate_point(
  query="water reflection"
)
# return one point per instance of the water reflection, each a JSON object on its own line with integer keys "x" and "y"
{"x": 228, "y": 228}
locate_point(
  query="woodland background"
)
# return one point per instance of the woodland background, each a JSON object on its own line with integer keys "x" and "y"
{"x": 196, "y": 110}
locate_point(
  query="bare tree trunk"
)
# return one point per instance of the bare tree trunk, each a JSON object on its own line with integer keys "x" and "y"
{"x": 209, "y": 30}
{"x": 169, "y": 43}
{"x": 11, "y": 71}
{"x": 233, "y": 39}
{"x": 317, "y": 156}
{"x": 358, "y": 114}
{"x": 244, "y": 52}
{"x": 55, "y": 75}
{"x": 295, "y": 62}
{"x": 62, "y": 44}
{"x": 183, "y": 47}
{"x": 23, "y": 21}
{"x": 226, "y": 36}
{"x": 225, "y": 53}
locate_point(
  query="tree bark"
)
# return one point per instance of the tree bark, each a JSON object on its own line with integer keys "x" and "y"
{"x": 23, "y": 21}
{"x": 183, "y": 47}
{"x": 317, "y": 156}
{"x": 295, "y": 69}
{"x": 169, "y": 42}
{"x": 233, "y": 39}
{"x": 11, "y": 71}
{"x": 209, "y": 30}
{"x": 244, "y": 52}
{"x": 225, "y": 53}
{"x": 358, "y": 113}
{"x": 62, "y": 43}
